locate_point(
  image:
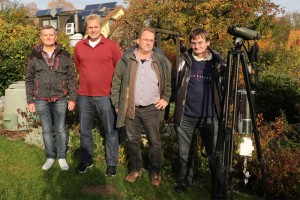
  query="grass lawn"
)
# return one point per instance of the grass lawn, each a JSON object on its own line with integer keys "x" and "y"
{"x": 21, "y": 177}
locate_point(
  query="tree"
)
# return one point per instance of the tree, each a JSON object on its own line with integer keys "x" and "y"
{"x": 184, "y": 15}
{"x": 31, "y": 9}
{"x": 295, "y": 19}
{"x": 66, "y": 5}
{"x": 12, "y": 12}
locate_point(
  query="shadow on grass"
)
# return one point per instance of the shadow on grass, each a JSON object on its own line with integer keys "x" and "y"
{"x": 72, "y": 185}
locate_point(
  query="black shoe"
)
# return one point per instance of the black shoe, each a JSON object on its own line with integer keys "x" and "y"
{"x": 83, "y": 167}
{"x": 111, "y": 170}
{"x": 180, "y": 188}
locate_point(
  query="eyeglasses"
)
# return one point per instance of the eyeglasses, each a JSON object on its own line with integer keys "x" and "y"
{"x": 148, "y": 40}
{"x": 193, "y": 44}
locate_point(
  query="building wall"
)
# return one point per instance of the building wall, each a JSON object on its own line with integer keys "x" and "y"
{"x": 60, "y": 19}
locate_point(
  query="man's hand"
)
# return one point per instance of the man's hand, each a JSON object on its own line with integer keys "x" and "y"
{"x": 161, "y": 104}
{"x": 71, "y": 105}
{"x": 31, "y": 107}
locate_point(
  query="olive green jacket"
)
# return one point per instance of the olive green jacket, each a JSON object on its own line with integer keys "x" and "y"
{"x": 123, "y": 84}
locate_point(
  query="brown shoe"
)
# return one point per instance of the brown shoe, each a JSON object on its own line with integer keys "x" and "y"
{"x": 132, "y": 176}
{"x": 155, "y": 179}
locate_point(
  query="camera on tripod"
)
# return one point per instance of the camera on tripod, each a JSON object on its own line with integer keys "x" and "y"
{"x": 244, "y": 33}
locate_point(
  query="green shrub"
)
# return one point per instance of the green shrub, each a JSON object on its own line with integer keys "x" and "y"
{"x": 278, "y": 91}
{"x": 64, "y": 40}
{"x": 17, "y": 38}
{"x": 18, "y": 41}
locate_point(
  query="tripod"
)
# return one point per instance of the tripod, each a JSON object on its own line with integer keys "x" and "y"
{"x": 224, "y": 148}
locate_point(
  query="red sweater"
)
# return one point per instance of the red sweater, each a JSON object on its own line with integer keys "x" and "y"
{"x": 96, "y": 66}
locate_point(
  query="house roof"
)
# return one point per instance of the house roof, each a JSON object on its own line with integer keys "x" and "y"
{"x": 47, "y": 12}
{"x": 101, "y": 9}
{"x": 111, "y": 14}
{"x": 110, "y": 5}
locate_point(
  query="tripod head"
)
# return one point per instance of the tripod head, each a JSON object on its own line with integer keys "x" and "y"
{"x": 240, "y": 35}
{"x": 238, "y": 42}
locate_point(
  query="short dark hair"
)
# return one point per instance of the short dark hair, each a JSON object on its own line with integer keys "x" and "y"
{"x": 48, "y": 27}
{"x": 199, "y": 31}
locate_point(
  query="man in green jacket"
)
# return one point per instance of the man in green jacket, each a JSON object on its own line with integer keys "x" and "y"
{"x": 141, "y": 90}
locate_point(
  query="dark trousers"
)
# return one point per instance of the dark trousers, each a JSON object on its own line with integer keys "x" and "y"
{"x": 149, "y": 119}
{"x": 88, "y": 106}
{"x": 208, "y": 128}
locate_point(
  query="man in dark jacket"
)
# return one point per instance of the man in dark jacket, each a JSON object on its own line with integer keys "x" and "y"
{"x": 141, "y": 90}
{"x": 197, "y": 103}
{"x": 50, "y": 80}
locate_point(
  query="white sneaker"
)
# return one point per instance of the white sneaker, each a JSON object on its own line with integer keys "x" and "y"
{"x": 48, "y": 164}
{"x": 63, "y": 164}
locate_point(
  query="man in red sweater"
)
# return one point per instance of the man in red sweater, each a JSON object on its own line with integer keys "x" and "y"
{"x": 95, "y": 59}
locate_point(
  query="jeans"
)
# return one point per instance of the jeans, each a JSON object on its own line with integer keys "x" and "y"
{"x": 149, "y": 119}
{"x": 88, "y": 105}
{"x": 52, "y": 116}
{"x": 208, "y": 128}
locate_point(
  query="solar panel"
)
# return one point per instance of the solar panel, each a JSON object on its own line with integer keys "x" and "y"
{"x": 58, "y": 10}
{"x": 92, "y": 7}
{"x": 42, "y": 13}
{"x": 110, "y": 5}
{"x": 85, "y": 13}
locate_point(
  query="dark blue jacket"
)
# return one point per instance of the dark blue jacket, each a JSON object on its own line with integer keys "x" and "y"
{"x": 183, "y": 76}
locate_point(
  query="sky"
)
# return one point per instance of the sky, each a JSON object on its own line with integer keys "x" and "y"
{"x": 79, "y": 4}
{"x": 289, "y": 5}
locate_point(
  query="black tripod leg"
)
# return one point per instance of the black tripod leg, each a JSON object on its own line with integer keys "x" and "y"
{"x": 224, "y": 148}
{"x": 228, "y": 151}
{"x": 253, "y": 119}
{"x": 220, "y": 175}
